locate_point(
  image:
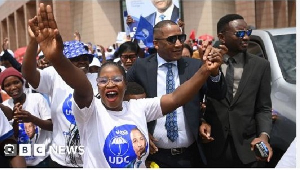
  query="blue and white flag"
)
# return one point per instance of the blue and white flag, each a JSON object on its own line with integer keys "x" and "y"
{"x": 144, "y": 32}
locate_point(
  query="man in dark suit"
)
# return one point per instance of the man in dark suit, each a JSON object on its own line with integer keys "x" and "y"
{"x": 186, "y": 149}
{"x": 165, "y": 10}
{"x": 243, "y": 118}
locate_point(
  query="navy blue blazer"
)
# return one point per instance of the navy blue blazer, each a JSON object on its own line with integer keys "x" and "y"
{"x": 144, "y": 72}
{"x": 175, "y": 16}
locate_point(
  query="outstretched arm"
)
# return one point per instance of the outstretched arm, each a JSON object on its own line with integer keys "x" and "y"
{"x": 47, "y": 36}
{"x": 29, "y": 71}
{"x": 212, "y": 60}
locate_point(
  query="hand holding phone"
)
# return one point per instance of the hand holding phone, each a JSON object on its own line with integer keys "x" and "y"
{"x": 261, "y": 150}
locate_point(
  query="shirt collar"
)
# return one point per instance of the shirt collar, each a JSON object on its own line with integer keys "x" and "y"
{"x": 167, "y": 13}
{"x": 161, "y": 61}
{"x": 238, "y": 58}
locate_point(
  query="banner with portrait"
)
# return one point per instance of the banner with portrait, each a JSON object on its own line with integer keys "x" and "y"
{"x": 151, "y": 10}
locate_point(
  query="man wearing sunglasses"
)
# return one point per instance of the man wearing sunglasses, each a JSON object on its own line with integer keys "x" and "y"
{"x": 185, "y": 150}
{"x": 243, "y": 118}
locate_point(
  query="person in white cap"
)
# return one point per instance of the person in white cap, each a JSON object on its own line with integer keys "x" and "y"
{"x": 94, "y": 66}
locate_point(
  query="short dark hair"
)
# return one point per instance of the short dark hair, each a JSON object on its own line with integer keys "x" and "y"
{"x": 223, "y": 22}
{"x": 161, "y": 24}
{"x": 189, "y": 48}
{"x": 127, "y": 46}
{"x": 134, "y": 88}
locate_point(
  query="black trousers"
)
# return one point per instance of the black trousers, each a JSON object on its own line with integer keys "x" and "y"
{"x": 230, "y": 159}
{"x": 190, "y": 158}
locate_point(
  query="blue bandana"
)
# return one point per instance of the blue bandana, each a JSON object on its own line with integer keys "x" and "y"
{"x": 74, "y": 49}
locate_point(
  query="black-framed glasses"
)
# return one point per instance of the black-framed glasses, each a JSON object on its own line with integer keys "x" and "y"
{"x": 104, "y": 80}
{"x": 130, "y": 56}
{"x": 172, "y": 39}
{"x": 242, "y": 33}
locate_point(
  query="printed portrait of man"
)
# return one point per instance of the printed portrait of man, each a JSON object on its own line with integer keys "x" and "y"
{"x": 30, "y": 129}
{"x": 165, "y": 10}
{"x": 139, "y": 145}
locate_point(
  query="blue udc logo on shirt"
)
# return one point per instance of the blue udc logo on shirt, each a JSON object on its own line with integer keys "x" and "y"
{"x": 119, "y": 148}
{"x": 67, "y": 109}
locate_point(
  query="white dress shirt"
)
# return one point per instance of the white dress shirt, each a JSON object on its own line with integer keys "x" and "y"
{"x": 185, "y": 137}
{"x": 167, "y": 14}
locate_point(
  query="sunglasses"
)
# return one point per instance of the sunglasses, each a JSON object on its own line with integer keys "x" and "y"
{"x": 172, "y": 39}
{"x": 104, "y": 80}
{"x": 242, "y": 33}
{"x": 126, "y": 57}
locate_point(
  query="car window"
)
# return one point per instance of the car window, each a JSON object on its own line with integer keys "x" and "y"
{"x": 286, "y": 55}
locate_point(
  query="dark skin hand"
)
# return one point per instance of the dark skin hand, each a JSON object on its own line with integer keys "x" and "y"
{"x": 7, "y": 111}
{"x": 77, "y": 36}
{"x": 21, "y": 116}
{"x": 103, "y": 53}
{"x": 205, "y": 130}
{"x": 152, "y": 146}
{"x": 264, "y": 138}
{"x": 180, "y": 23}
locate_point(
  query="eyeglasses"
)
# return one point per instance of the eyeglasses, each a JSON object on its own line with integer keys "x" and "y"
{"x": 131, "y": 56}
{"x": 104, "y": 80}
{"x": 172, "y": 39}
{"x": 242, "y": 33}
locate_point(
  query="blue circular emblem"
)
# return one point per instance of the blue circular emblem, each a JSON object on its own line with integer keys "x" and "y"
{"x": 118, "y": 148}
{"x": 67, "y": 109}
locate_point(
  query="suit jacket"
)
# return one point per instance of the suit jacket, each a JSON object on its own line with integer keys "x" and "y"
{"x": 144, "y": 72}
{"x": 175, "y": 15}
{"x": 247, "y": 115}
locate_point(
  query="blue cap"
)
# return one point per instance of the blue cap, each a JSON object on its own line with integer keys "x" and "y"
{"x": 74, "y": 49}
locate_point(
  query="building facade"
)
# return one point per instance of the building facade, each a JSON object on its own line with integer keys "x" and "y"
{"x": 99, "y": 21}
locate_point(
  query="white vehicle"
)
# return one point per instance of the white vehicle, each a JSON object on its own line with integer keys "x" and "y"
{"x": 278, "y": 46}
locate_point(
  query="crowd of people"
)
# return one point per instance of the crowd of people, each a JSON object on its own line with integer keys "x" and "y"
{"x": 177, "y": 107}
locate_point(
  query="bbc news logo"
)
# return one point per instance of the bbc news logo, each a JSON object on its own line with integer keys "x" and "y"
{"x": 40, "y": 150}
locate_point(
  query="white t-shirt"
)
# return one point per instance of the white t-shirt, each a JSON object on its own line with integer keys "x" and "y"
{"x": 63, "y": 119}
{"x": 6, "y": 129}
{"x": 105, "y": 134}
{"x": 92, "y": 78}
{"x": 37, "y": 105}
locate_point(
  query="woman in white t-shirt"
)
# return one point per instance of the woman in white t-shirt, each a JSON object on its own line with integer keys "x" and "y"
{"x": 31, "y": 114}
{"x": 105, "y": 124}
{"x": 65, "y": 142}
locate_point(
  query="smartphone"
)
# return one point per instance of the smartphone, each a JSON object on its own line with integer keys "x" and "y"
{"x": 261, "y": 150}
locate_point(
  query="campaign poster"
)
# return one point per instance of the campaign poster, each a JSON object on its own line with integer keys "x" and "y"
{"x": 152, "y": 10}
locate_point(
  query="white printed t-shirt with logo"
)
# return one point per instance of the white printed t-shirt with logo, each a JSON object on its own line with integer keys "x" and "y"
{"x": 61, "y": 112}
{"x": 105, "y": 134}
{"x": 6, "y": 129}
{"x": 37, "y": 105}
